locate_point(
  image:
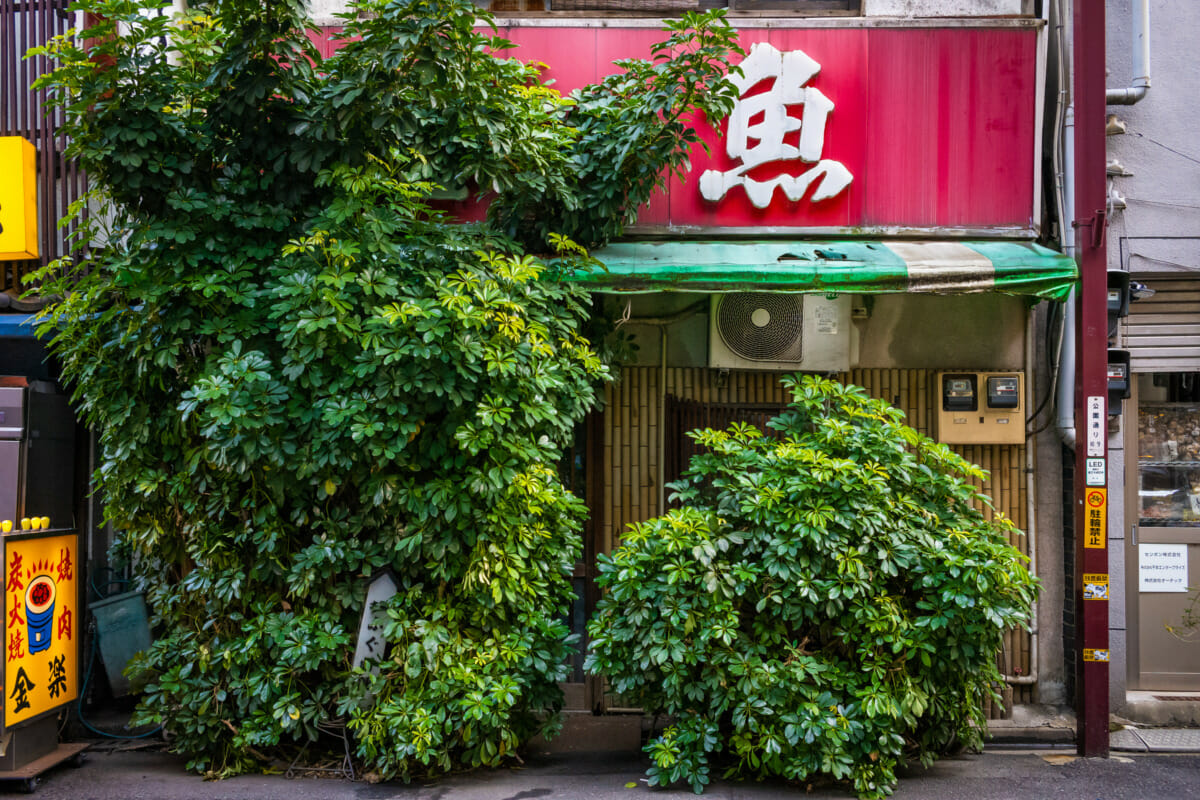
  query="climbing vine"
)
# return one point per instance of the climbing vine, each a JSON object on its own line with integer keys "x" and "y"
{"x": 302, "y": 373}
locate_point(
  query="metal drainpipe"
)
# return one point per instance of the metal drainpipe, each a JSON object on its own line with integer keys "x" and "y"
{"x": 1066, "y": 366}
{"x": 1140, "y": 19}
{"x": 1140, "y": 24}
{"x": 1030, "y": 519}
{"x": 1064, "y": 154}
{"x": 661, "y": 323}
{"x": 1064, "y": 369}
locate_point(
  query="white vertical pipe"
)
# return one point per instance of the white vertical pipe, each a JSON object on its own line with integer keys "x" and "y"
{"x": 1140, "y": 55}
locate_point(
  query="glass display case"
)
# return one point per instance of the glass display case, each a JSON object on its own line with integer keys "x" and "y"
{"x": 1169, "y": 464}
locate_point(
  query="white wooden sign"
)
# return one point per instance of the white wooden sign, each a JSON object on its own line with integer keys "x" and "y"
{"x": 370, "y": 629}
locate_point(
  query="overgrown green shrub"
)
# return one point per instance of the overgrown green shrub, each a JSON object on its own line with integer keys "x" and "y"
{"x": 300, "y": 373}
{"x": 827, "y": 602}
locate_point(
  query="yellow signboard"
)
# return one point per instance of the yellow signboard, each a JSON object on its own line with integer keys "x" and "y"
{"x": 1095, "y": 655}
{"x": 1095, "y": 586}
{"x": 41, "y": 629}
{"x": 1095, "y": 516}
{"x": 18, "y": 199}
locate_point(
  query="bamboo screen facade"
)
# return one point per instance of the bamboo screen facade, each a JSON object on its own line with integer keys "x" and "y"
{"x": 634, "y": 435}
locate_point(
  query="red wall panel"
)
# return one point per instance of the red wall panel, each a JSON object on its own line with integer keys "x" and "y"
{"x": 936, "y": 125}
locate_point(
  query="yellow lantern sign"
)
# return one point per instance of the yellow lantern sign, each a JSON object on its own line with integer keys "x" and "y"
{"x": 41, "y": 629}
{"x": 18, "y": 199}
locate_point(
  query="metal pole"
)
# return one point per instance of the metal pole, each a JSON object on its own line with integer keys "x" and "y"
{"x": 1091, "y": 413}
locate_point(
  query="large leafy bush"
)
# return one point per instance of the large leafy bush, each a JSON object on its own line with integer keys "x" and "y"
{"x": 828, "y": 601}
{"x": 301, "y": 374}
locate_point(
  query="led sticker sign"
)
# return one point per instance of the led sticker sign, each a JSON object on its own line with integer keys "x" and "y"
{"x": 41, "y": 629}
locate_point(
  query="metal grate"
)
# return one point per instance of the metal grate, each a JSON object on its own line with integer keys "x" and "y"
{"x": 689, "y": 415}
{"x": 622, "y": 5}
{"x": 1162, "y": 333}
{"x": 25, "y": 24}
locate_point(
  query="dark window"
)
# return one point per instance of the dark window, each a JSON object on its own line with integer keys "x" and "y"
{"x": 689, "y": 415}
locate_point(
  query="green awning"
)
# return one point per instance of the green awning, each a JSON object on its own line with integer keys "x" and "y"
{"x": 932, "y": 267}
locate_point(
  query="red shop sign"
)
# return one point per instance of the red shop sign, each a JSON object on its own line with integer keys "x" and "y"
{"x": 856, "y": 130}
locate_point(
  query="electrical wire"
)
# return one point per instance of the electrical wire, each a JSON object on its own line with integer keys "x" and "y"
{"x": 1184, "y": 156}
{"x": 1051, "y": 317}
{"x": 83, "y": 693}
{"x": 87, "y": 675}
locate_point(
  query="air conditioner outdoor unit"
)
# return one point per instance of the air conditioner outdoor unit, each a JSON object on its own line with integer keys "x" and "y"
{"x": 777, "y": 331}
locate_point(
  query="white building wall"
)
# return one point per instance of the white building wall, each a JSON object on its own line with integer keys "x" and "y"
{"x": 323, "y": 11}
{"x": 946, "y": 8}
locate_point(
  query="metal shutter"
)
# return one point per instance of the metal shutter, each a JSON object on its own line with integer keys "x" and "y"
{"x": 1162, "y": 333}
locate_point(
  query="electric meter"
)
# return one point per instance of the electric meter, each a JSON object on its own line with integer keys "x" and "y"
{"x": 958, "y": 393}
{"x": 1003, "y": 391}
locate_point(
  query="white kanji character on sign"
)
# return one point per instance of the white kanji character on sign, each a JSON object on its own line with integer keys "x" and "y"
{"x": 763, "y": 118}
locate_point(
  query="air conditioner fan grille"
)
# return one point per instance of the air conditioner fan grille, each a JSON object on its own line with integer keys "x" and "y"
{"x": 762, "y": 326}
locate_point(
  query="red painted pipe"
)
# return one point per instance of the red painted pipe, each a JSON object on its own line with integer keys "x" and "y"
{"x": 1091, "y": 544}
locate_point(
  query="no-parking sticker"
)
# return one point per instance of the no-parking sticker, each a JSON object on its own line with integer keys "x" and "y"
{"x": 1095, "y": 514}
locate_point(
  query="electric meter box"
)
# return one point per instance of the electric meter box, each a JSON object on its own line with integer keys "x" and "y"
{"x": 980, "y": 407}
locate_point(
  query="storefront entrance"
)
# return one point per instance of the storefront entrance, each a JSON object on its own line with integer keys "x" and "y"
{"x": 1162, "y": 553}
{"x": 579, "y": 472}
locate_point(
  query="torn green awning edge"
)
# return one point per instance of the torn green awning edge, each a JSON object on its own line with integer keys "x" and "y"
{"x": 856, "y": 267}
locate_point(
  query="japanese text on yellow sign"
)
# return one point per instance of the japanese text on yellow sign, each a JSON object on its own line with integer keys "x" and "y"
{"x": 1095, "y": 586}
{"x": 41, "y": 625}
{"x": 1095, "y": 515}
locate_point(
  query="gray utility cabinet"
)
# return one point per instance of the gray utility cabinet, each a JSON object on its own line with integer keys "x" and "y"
{"x": 37, "y": 452}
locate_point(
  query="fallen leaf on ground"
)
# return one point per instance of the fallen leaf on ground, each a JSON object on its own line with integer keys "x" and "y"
{"x": 1058, "y": 760}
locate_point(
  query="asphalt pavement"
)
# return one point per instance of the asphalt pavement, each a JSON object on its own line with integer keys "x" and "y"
{"x": 114, "y": 772}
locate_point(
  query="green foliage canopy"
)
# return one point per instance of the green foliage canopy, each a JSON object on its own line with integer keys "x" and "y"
{"x": 828, "y": 601}
{"x": 301, "y": 373}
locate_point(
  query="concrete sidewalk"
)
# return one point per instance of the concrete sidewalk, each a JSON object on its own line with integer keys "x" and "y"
{"x": 116, "y": 772}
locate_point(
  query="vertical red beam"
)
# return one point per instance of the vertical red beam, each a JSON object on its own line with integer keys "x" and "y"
{"x": 1091, "y": 337}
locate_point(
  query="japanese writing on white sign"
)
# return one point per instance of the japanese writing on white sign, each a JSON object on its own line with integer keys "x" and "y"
{"x": 371, "y": 643}
{"x": 760, "y": 124}
{"x": 1162, "y": 568}
{"x": 1097, "y": 425}
{"x": 1095, "y": 586}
